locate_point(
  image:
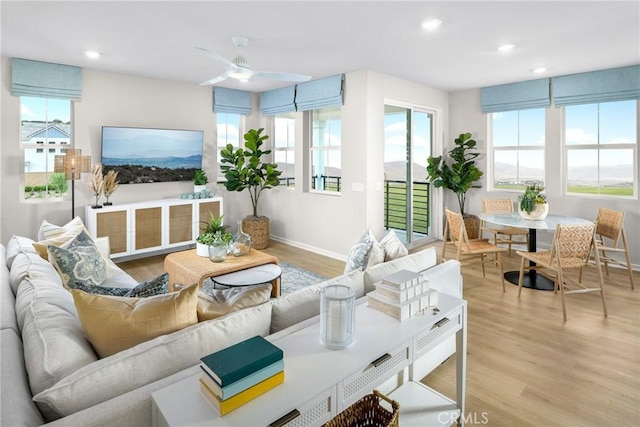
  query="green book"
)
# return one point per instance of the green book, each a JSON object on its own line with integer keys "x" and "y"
{"x": 233, "y": 363}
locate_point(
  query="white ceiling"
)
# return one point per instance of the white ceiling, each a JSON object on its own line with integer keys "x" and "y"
{"x": 157, "y": 39}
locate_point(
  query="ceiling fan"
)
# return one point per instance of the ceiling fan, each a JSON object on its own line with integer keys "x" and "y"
{"x": 239, "y": 68}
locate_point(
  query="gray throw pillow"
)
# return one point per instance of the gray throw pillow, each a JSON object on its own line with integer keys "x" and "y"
{"x": 156, "y": 286}
{"x": 359, "y": 254}
{"x": 79, "y": 259}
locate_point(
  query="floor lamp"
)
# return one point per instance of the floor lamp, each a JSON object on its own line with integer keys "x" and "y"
{"x": 72, "y": 164}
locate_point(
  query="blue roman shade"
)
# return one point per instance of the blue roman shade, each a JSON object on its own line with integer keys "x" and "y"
{"x": 278, "y": 101}
{"x": 515, "y": 96}
{"x": 326, "y": 92}
{"x": 616, "y": 84}
{"x": 45, "y": 80}
{"x": 231, "y": 101}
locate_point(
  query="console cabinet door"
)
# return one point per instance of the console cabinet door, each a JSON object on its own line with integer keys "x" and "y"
{"x": 179, "y": 216}
{"x": 146, "y": 232}
{"x": 113, "y": 222}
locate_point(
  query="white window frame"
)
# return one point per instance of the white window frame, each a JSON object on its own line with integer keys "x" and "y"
{"x": 598, "y": 146}
{"x": 286, "y": 181}
{"x": 236, "y": 143}
{"x": 43, "y": 147}
{"x": 492, "y": 149}
{"x": 311, "y": 149}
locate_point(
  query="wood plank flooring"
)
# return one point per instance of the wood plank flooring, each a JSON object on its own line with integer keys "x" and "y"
{"x": 525, "y": 366}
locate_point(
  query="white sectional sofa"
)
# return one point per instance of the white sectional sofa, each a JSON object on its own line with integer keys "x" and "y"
{"x": 50, "y": 373}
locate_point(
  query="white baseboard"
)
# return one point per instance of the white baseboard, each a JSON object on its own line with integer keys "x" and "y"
{"x": 330, "y": 254}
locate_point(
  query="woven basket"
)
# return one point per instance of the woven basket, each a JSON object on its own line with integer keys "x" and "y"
{"x": 368, "y": 412}
{"x": 258, "y": 228}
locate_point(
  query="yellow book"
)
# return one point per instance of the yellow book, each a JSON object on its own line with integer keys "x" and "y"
{"x": 228, "y": 405}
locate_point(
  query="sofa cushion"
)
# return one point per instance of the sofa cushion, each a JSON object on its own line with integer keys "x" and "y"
{"x": 417, "y": 261}
{"x": 393, "y": 247}
{"x": 17, "y": 245}
{"x": 214, "y": 303}
{"x": 376, "y": 254}
{"x": 53, "y": 339}
{"x": 359, "y": 253}
{"x": 15, "y": 400}
{"x": 305, "y": 303}
{"x": 113, "y": 324}
{"x": 7, "y": 298}
{"x": 79, "y": 259}
{"x": 156, "y": 286}
{"x": 151, "y": 361}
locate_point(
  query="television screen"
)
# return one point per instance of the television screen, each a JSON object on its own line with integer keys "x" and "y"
{"x": 141, "y": 155}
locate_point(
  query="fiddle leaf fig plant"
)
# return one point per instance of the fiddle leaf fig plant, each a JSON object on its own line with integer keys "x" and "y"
{"x": 461, "y": 174}
{"x": 245, "y": 169}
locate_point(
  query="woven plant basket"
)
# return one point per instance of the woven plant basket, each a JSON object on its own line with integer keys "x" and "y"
{"x": 258, "y": 228}
{"x": 367, "y": 412}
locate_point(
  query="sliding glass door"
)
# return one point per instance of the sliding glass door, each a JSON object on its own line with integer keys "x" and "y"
{"x": 408, "y": 134}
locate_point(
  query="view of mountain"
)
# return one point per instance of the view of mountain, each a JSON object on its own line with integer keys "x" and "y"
{"x": 172, "y": 162}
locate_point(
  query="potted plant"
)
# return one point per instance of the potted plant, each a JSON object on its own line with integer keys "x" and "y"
{"x": 200, "y": 181}
{"x": 459, "y": 177}
{"x": 244, "y": 169}
{"x": 533, "y": 203}
{"x": 208, "y": 233}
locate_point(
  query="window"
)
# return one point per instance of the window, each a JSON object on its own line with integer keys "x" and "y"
{"x": 326, "y": 156}
{"x": 44, "y": 121}
{"x": 517, "y": 148}
{"x": 229, "y": 127}
{"x": 600, "y": 145}
{"x": 284, "y": 147}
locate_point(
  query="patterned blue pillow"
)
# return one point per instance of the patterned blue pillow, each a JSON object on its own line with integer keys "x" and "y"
{"x": 156, "y": 286}
{"x": 359, "y": 254}
{"x": 79, "y": 259}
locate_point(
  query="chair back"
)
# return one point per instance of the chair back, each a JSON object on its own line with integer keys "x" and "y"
{"x": 609, "y": 224}
{"x": 497, "y": 206}
{"x": 572, "y": 244}
{"x": 457, "y": 230}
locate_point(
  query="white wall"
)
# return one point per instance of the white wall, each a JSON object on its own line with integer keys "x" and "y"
{"x": 108, "y": 99}
{"x": 465, "y": 116}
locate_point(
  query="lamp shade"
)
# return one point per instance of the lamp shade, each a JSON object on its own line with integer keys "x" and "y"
{"x": 72, "y": 163}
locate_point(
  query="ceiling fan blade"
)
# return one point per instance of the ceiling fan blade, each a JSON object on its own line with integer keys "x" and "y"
{"x": 289, "y": 77}
{"x": 216, "y": 57}
{"x": 215, "y": 80}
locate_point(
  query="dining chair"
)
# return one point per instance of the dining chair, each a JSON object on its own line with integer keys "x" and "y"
{"x": 503, "y": 235}
{"x": 571, "y": 248}
{"x": 610, "y": 226}
{"x": 467, "y": 251}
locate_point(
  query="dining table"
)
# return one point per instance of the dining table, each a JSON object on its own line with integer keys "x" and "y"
{"x": 532, "y": 279}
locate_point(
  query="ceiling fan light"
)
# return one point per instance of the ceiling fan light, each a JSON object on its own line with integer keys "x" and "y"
{"x": 240, "y": 74}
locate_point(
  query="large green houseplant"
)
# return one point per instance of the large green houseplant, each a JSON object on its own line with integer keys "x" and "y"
{"x": 245, "y": 169}
{"x": 458, "y": 177}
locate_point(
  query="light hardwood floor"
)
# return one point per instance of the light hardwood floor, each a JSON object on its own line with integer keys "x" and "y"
{"x": 525, "y": 366}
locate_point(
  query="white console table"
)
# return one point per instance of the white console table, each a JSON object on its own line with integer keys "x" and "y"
{"x": 320, "y": 383}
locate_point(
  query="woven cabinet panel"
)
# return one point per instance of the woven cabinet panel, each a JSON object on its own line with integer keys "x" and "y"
{"x": 148, "y": 225}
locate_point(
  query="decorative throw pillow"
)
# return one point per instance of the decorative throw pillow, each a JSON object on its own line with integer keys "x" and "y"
{"x": 50, "y": 234}
{"x": 113, "y": 324}
{"x": 80, "y": 260}
{"x": 359, "y": 254}
{"x": 393, "y": 247}
{"x": 156, "y": 286}
{"x": 213, "y": 303}
{"x": 376, "y": 255}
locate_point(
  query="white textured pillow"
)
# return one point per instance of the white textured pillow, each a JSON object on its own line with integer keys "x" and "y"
{"x": 393, "y": 247}
{"x": 376, "y": 255}
{"x": 150, "y": 361}
{"x": 214, "y": 303}
{"x": 48, "y": 230}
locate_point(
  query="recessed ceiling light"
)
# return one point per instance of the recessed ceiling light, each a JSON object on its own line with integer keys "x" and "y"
{"x": 431, "y": 24}
{"x": 92, "y": 54}
{"x": 539, "y": 70}
{"x": 506, "y": 47}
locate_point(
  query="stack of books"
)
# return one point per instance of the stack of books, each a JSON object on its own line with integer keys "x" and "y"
{"x": 237, "y": 374}
{"x": 402, "y": 294}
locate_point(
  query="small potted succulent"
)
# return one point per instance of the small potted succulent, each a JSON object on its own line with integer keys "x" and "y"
{"x": 208, "y": 234}
{"x": 200, "y": 181}
{"x": 533, "y": 203}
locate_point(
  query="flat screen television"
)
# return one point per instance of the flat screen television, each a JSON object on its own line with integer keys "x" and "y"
{"x": 143, "y": 155}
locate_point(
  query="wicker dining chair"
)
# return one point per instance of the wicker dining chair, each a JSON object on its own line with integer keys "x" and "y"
{"x": 571, "y": 248}
{"x": 610, "y": 226}
{"x": 470, "y": 251}
{"x": 503, "y": 235}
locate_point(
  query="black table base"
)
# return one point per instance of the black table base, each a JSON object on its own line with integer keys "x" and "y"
{"x": 531, "y": 280}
